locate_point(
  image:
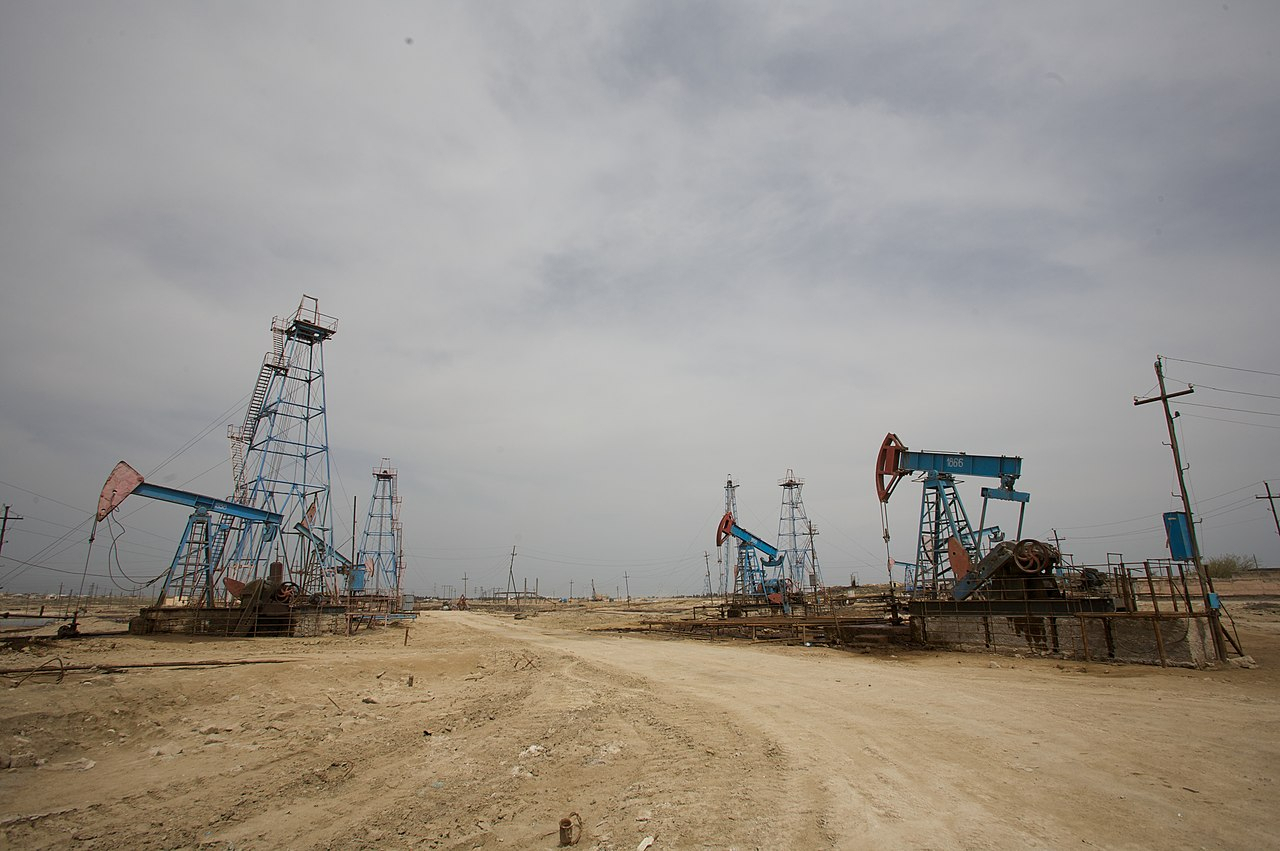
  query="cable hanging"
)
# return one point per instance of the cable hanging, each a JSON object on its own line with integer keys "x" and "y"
{"x": 1224, "y": 408}
{"x": 1224, "y": 390}
{"x": 1222, "y": 366}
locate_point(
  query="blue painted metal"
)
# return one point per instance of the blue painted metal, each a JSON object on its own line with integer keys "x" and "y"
{"x": 380, "y": 557}
{"x": 961, "y": 464}
{"x": 190, "y": 575}
{"x": 942, "y": 513}
{"x": 321, "y": 543}
{"x": 285, "y": 445}
{"x": 1175, "y": 525}
{"x": 752, "y": 578}
{"x": 942, "y": 517}
{"x": 982, "y": 571}
{"x": 209, "y": 503}
{"x": 190, "y": 578}
{"x": 1006, "y": 494}
{"x": 758, "y": 543}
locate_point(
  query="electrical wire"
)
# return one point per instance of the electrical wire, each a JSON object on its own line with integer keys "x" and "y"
{"x": 1223, "y": 389}
{"x": 113, "y": 554}
{"x": 1236, "y": 422}
{"x": 1222, "y": 366}
{"x": 1225, "y": 408}
{"x": 205, "y": 432}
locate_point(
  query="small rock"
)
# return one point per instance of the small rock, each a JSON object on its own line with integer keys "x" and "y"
{"x": 993, "y": 664}
{"x": 368, "y": 700}
{"x": 1243, "y": 662}
{"x": 5, "y": 761}
{"x": 167, "y": 749}
{"x": 81, "y": 764}
{"x": 23, "y": 760}
{"x": 211, "y": 729}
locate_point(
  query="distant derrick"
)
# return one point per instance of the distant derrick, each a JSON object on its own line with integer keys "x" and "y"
{"x": 795, "y": 536}
{"x": 379, "y": 564}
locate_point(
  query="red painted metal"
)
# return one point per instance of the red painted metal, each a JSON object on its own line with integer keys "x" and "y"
{"x": 123, "y": 481}
{"x": 725, "y": 528}
{"x": 958, "y": 557}
{"x": 887, "y": 472}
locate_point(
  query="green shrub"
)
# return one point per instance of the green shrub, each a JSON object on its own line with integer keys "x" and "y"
{"x": 1228, "y": 565}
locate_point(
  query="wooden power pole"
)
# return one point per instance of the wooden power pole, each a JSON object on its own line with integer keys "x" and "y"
{"x": 1269, "y": 498}
{"x": 1206, "y": 580}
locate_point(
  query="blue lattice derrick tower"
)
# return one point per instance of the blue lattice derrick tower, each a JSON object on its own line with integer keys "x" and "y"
{"x": 284, "y": 447}
{"x": 380, "y": 562}
{"x": 942, "y": 517}
{"x": 795, "y": 536}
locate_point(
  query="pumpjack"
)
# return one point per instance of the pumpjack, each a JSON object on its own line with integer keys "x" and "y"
{"x": 189, "y": 584}
{"x": 950, "y": 553}
{"x": 753, "y": 581}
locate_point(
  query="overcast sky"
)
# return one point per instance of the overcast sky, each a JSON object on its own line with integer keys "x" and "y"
{"x": 588, "y": 259}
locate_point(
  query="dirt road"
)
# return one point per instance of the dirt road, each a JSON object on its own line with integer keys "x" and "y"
{"x": 509, "y": 726}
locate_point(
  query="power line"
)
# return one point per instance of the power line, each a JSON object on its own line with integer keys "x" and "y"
{"x": 1221, "y": 366}
{"x": 1199, "y": 386}
{"x": 205, "y": 432}
{"x": 1223, "y": 408}
{"x": 1236, "y": 422}
{"x": 76, "y": 508}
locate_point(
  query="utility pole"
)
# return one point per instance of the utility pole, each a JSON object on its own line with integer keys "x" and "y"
{"x": 1269, "y": 498}
{"x": 4, "y": 524}
{"x": 353, "y": 530}
{"x": 511, "y": 574}
{"x": 627, "y": 580}
{"x": 464, "y": 584}
{"x": 1057, "y": 542}
{"x": 706, "y": 557}
{"x": 570, "y": 590}
{"x": 1205, "y": 580}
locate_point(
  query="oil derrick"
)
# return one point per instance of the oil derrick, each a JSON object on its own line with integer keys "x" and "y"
{"x": 748, "y": 574}
{"x": 280, "y": 459}
{"x": 728, "y": 561}
{"x": 380, "y": 561}
{"x": 795, "y": 536}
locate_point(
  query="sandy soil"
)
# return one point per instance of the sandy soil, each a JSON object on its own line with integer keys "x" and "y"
{"x": 510, "y": 725}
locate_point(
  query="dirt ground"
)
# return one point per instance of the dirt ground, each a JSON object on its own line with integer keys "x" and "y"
{"x": 470, "y": 730}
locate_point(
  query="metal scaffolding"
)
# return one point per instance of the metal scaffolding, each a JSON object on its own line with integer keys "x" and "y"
{"x": 280, "y": 459}
{"x": 795, "y": 537}
{"x": 380, "y": 561}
